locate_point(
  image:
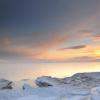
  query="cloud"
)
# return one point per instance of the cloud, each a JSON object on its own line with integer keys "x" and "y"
{"x": 20, "y": 52}
{"x": 8, "y": 46}
{"x": 46, "y": 50}
{"x": 84, "y": 35}
{"x": 51, "y": 42}
{"x": 83, "y": 59}
{"x": 91, "y": 53}
{"x": 85, "y": 32}
{"x": 8, "y": 49}
{"x": 96, "y": 38}
{"x": 73, "y": 59}
{"x": 74, "y": 47}
{"x": 5, "y": 42}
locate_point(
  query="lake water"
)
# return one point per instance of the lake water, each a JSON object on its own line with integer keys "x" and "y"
{"x": 31, "y": 71}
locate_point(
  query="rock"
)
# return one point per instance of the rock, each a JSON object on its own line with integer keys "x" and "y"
{"x": 5, "y": 84}
{"x": 46, "y": 81}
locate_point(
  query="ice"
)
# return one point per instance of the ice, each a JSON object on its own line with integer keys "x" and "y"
{"x": 57, "y": 91}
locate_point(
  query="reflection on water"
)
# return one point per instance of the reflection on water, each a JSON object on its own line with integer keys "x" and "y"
{"x": 31, "y": 71}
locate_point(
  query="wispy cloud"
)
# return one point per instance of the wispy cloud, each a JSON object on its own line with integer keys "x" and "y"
{"x": 46, "y": 50}
{"x": 82, "y": 59}
{"x": 96, "y": 38}
{"x": 74, "y": 47}
{"x": 52, "y": 42}
{"x": 5, "y": 42}
{"x": 86, "y": 32}
{"x": 9, "y": 46}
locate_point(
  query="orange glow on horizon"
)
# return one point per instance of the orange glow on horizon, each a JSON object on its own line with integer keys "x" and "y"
{"x": 88, "y": 51}
{"x": 61, "y": 69}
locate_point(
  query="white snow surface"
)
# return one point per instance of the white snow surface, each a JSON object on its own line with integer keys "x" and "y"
{"x": 68, "y": 91}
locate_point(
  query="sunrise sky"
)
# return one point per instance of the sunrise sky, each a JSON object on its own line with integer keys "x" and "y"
{"x": 49, "y": 31}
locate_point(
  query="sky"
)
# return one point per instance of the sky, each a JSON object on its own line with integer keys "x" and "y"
{"x": 49, "y": 31}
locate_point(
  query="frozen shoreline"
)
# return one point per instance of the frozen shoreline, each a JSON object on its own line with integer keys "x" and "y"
{"x": 74, "y": 90}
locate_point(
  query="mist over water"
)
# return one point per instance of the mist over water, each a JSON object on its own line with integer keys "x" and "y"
{"x": 17, "y": 72}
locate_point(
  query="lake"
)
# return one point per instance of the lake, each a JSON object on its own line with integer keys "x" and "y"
{"x": 19, "y": 71}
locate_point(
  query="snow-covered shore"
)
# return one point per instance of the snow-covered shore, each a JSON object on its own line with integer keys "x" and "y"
{"x": 82, "y": 86}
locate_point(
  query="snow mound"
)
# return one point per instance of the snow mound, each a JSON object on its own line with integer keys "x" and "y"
{"x": 85, "y": 80}
{"x": 21, "y": 83}
{"x": 94, "y": 75}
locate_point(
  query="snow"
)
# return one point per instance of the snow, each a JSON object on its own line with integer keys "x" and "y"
{"x": 57, "y": 91}
{"x": 61, "y": 92}
{"x": 20, "y": 84}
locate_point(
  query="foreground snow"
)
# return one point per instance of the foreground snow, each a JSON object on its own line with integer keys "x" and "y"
{"x": 61, "y": 92}
{"x": 78, "y": 87}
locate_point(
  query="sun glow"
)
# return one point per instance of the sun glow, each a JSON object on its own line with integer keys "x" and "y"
{"x": 59, "y": 55}
{"x": 97, "y": 53}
